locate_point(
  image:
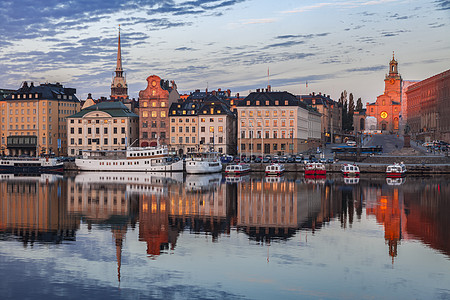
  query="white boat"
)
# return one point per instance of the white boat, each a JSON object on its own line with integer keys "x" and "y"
{"x": 237, "y": 169}
{"x": 396, "y": 170}
{"x": 140, "y": 159}
{"x": 203, "y": 163}
{"x": 350, "y": 170}
{"x": 274, "y": 169}
{"x": 30, "y": 165}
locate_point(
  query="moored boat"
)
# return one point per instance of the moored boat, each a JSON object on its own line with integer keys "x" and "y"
{"x": 396, "y": 170}
{"x": 274, "y": 169}
{"x": 30, "y": 165}
{"x": 315, "y": 168}
{"x": 140, "y": 159}
{"x": 350, "y": 170}
{"x": 203, "y": 163}
{"x": 237, "y": 169}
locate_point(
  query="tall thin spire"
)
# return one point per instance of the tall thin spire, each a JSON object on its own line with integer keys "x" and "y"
{"x": 119, "y": 87}
{"x": 119, "y": 57}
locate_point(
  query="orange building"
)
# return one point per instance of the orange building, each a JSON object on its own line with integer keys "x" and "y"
{"x": 388, "y": 105}
{"x": 154, "y": 103}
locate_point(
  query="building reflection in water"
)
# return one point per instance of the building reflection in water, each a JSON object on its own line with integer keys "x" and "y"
{"x": 31, "y": 211}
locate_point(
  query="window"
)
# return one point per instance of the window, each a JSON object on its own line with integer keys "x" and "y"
{"x": 275, "y": 123}
{"x": 258, "y": 147}
{"x": 72, "y": 141}
{"x": 105, "y": 141}
{"x": 80, "y": 130}
{"x": 105, "y": 130}
{"x": 163, "y": 124}
{"x": 259, "y": 113}
{"x": 122, "y": 141}
{"x": 187, "y": 140}
{"x": 180, "y": 140}
{"x": 243, "y": 134}
{"x": 187, "y": 129}
{"x": 202, "y": 120}
{"x": 211, "y": 120}
{"x": 242, "y": 124}
{"x": 283, "y": 123}
{"x": 97, "y": 130}
{"x": 291, "y": 113}
{"x": 242, "y": 113}
{"x": 266, "y": 134}
{"x": 242, "y": 147}
{"x": 275, "y": 113}
{"x": 202, "y": 129}
{"x": 80, "y": 142}
{"x": 163, "y": 114}
{"x": 283, "y": 113}
{"x": 115, "y": 130}
{"x": 202, "y": 140}
{"x": 123, "y": 129}
{"x": 115, "y": 141}
{"x": 275, "y": 134}
{"x": 163, "y": 104}
{"x": 154, "y": 113}
{"x": 267, "y": 123}
{"x": 193, "y": 129}
{"x": 250, "y": 113}
{"x": 220, "y": 139}
{"x": 154, "y": 124}
{"x": 89, "y": 141}
{"x": 283, "y": 134}
{"x": 220, "y": 128}
{"x": 283, "y": 146}
{"x": 275, "y": 147}
{"x": 145, "y": 104}
{"x": 211, "y": 128}
{"x": 72, "y": 130}
{"x": 145, "y": 114}
{"x": 153, "y": 103}
{"x": 180, "y": 129}
{"x": 163, "y": 134}
{"x": 154, "y": 135}
{"x": 145, "y": 135}
{"x": 172, "y": 140}
{"x": 172, "y": 129}
{"x": 193, "y": 140}
{"x": 211, "y": 140}
{"x": 89, "y": 130}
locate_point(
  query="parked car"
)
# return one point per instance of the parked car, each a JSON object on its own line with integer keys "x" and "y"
{"x": 299, "y": 159}
{"x": 266, "y": 159}
{"x": 291, "y": 160}
{"x": 330, "y": 160}
{"x": 258, "y": 159}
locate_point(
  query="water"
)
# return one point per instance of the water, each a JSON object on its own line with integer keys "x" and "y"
{"x": 143, "y": 236}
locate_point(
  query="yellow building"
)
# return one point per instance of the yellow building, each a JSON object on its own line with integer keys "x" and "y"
{"x": 33, "y": 118}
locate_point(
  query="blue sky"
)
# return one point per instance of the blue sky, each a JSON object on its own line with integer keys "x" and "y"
{"x": 227, "y": 44}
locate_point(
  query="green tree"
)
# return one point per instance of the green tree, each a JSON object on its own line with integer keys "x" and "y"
{"x": 351, "y": 111}
{"x": 359, "y": 105}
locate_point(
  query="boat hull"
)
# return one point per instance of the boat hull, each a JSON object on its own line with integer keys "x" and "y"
{"x": 203, "y": 167}
{"x": 32, "y": 169}
{"x": 126, "y": 165}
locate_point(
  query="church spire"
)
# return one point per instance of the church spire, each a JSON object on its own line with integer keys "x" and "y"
{"x": 119, "y": 87}
{"x": 119, "y": 57}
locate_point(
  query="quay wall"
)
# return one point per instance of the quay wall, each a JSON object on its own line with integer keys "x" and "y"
{"x": 420, "y": 167}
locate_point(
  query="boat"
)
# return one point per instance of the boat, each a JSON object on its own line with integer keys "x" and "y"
{"x": 203, "y": 163}
{"x": 30, "y": 165}
{"x": 396, "y": 170}
{"x": 237, "y": 169}
{"x": 274, "y": 169}
{"x": 140, "y": 159}
{"x": 350, "y": 170}
{"x": 315, "y": 168}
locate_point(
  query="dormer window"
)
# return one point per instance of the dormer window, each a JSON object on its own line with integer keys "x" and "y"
{"x": 286, "y": 102}
{"x": 12, "y": 96}
{"x": 257, "y": 102}
{"x": 36, "y": 95}
{"x": 277, "y": 102}
{"x": 248, "y": 102}
{"x": 267, "y": 102}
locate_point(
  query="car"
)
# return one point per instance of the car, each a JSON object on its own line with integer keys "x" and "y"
{"x": 266, "y": 160}
{"x": 291, "y": 160}
{"x": 351, "y": 143}
{"x": 237, "y": 159}
{"x": 258, "y": 160}
{"x": 323, "y": 160}
{"x": 282, "y": 160}
{"x": 298, "y": 159}
{"x": 330, "y": 160}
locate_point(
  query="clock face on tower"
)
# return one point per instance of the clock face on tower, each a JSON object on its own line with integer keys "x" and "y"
{"x": 153, "y": 83}
{"x": 383, "y": 115}
{"x": 392, "y": 81}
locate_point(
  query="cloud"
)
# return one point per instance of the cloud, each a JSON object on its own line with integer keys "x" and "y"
{"x": 367, "y": 69}
{"x": 443, "y": 4}
{"x": 258, "y": 21}
{"x": 302, "y": 36}
{"x": 284, "y": 44}
{"x": 185, "y": 49}
{"x": 349, "y": 4}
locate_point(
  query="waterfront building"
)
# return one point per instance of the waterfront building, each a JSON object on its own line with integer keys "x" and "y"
{"x": 119, "y": 86}
{"x": 203, "y": 125}
{"x": 276, "y": 123}
{"x": 154, "y": 103}
{"x": 429, "y": 108}
{"x": 331, "y": 119}
{"x": 404, "y": 110}
{"x": 386, "y": 109}
{"x": 102, "y": 126}
{"x": 33, "y": 119}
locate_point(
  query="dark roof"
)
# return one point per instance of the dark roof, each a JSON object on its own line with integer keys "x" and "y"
{"x": 47, "y": 91}
{"x": 318, "y": 99}
{"x": 193, "y": 108}
{"x": 270, "y": 98}
{"x": 115, "y": 109}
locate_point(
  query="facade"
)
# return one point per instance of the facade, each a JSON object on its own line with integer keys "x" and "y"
{"x": 119, "y": 87}
{"x": 102, "y": 126}
{"x": 276, "y": 123}
{"x": 331, "y": 111}
{"x": 386, "y": 109}
{"x": 207, "y": 125}
{"x": 154, "y": 103}
{"x": 33, "y": 119}
{"x": 404, "y": 110}
{"x": 429, "y": 108}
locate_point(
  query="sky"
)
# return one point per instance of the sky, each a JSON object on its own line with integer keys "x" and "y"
{"x": 241, "y": 45}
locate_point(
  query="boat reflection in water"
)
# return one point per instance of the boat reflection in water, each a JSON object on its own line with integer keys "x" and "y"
{"x": 351, "y": 180}
{"x": 150, "y": 216}
{"x": 395, "y": 180}
{"x": 315, "y": 179}
{"x": 236, "y": 178}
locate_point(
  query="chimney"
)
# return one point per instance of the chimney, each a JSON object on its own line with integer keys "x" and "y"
{"x": 89, "y": 96}
{"x": 257, "y": 90}
{"x": 320, "y": 93}
{"x": 313, "y": 94}
{"x": 32, "y": 84}
{"x": 214, "y": 92}
{"x": 219, "y": 90}
{"x": 269, "y": 88}
{"x": 237, "y": 95}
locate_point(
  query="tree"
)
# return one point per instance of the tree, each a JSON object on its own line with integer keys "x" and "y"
{"x": 345, "y": 115}
{"x": 351, "y": 111}
{"x": 359, "y": 105}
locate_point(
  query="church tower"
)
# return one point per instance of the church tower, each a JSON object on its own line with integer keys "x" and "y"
{"x": 393, "y": 80}
{"x": 119, "y": 87}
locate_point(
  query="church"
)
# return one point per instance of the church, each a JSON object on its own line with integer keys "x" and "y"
{"x": 386, "y": 109}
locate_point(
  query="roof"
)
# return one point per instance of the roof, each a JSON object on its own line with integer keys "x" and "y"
{"x": 46, "y": 91}
{"x": 114, "y": 109}
{"x": 194, "y": 108}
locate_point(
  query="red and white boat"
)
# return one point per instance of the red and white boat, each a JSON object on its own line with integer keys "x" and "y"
{"x": 315, "y": 168}
{"x": 396, "y": 170}
{"x": 350, "y": 170}
{"x": 237, "y": 169}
